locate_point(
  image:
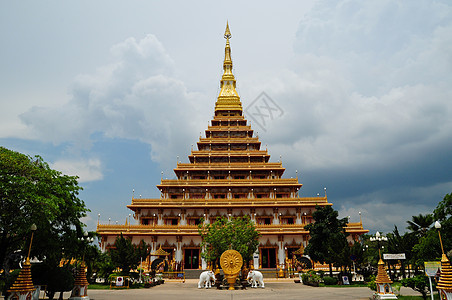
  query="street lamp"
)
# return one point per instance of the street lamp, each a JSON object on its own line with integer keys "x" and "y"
{"x": 33, "y": 228}
{"x": 378, "y": 238}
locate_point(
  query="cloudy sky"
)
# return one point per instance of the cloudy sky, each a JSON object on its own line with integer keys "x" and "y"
{"x": 114, "y": 91}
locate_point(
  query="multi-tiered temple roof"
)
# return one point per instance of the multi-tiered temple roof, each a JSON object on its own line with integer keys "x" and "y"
{"x": 229, "y": 174}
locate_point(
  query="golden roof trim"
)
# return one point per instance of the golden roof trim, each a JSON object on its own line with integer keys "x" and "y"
{"x": 160, "y": 252}
{"x": 23, "y": 283}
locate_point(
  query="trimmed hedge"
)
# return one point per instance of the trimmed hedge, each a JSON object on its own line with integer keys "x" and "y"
{"x": 328, "y": 280}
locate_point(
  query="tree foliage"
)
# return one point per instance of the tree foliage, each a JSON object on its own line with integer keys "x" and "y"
{"x": 32, "y": 192}
{"x": 328, "y": 238}
{"x": 126, "y": 255}
{"x": 420, "y": 224}
{"x": 418, "y": 283}
{"x": 239, "y": 234}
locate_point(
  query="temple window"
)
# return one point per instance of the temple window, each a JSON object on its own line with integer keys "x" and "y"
{"x": 264, "y": 220}
{"x": 171, "y": 221}
{"x": 282, "y": 195}
{"x": 260, "y": 195}
{"x": 193, "y": 221}
{"x": 238, "y": 196}
{"x": 148, "y": 221}
{"x": 287, "y": 220}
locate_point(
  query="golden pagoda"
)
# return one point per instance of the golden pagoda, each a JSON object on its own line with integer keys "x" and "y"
{"x": 228, "y": 175}
{"x": 445, "y": 279}
{"x": 23, "y": 288}
{"x": 80, "y": 289}
{"x": 384, "y": 288}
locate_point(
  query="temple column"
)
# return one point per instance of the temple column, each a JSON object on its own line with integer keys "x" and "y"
{"x": 160, "y": 217}
{"x": 281, "y": 250}
{"x": 178, "y": 254}
{"x": 153, "y": 248}
{"x": 275, "y": 216}
{"x": 206, "y": 216}
{"x": 298, "y": 220}
{"x": 183, "y": 220}
{"x": 256, "y": 259}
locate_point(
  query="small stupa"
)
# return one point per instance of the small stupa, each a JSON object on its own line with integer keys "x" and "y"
{"x": 80, "y": 290}
{"x": 23, "y": 288}
{"x": 384, "y": 288}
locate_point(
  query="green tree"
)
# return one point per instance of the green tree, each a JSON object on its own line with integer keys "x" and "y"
{"x": 398, "y": 243}
{"x": 443, "y": 210}
{"x": 443, "y": 213}
{"x": 328, "y": 237}
{"x": 32, "y": 192}
{"x": 238, "y": 233}
{"x": 126, "y": 255}
{"x": 418, "y": 283}
{"x": 420, "y": 224}
{"x": 428, "y": 246}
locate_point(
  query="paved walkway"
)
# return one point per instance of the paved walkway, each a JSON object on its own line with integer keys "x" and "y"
{"x": 273, "y": 290}
{"x": 281, "y": 289}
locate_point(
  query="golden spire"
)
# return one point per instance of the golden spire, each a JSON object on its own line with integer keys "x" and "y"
{"x": 80, "y": 278}
{"x": 445, "y": 277}
{"x": 382, "y": 276}
{"x": 228, "y": 100}
{"x": 23, "y": 283}
{"x": 227, "y": 33}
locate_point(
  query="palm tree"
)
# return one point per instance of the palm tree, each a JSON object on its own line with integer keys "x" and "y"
{"x": 420, "y": 224}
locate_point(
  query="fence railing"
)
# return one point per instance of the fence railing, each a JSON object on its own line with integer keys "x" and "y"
{"x": 174, "y": 275}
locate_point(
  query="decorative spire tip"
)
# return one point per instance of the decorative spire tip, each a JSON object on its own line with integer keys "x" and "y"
{"x": 227, "y": 33}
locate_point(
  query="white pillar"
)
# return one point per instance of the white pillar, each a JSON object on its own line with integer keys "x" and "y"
{"x": 281, "y": 253}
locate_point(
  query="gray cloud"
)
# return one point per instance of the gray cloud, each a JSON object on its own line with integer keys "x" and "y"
{"x": 136, "y": 96}
{"x": 367, "y": 103}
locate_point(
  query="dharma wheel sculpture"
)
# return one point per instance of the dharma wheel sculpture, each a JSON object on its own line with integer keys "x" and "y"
{"x": 231, "y": 262}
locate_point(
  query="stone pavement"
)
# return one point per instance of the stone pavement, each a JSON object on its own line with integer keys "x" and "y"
{"x": 274, "y": 289}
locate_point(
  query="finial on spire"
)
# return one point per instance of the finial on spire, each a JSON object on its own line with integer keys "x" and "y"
{"x": 227, "y": 33}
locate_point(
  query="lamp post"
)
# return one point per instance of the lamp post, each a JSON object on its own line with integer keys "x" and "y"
{"x": 384, "y": 288}
{"x": 33, "y": 228}
{"x": 444, "y": 285}
{"x": 379, "y": 239}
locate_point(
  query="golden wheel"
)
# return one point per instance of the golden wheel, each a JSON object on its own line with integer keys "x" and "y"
{"x": 231, "y": 261}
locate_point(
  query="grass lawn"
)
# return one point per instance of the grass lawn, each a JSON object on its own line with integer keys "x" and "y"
{"x": 435, "y": 296}
{"x": 98, "y": 286}
{"x": 345, "y": 285}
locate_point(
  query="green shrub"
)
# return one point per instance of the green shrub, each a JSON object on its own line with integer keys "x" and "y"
{"x": 418, "y": 283}
{"x": 328, "y": 280}
{"x": 371, "y": 283}
{"x": 311, "y": 278}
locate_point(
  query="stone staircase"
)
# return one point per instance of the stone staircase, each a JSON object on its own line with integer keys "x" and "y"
{"x": 193, "y": 274}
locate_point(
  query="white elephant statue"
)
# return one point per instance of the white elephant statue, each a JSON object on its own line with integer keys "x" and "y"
{"x": 205, "y": 278}
{"x": 256, "y": 278}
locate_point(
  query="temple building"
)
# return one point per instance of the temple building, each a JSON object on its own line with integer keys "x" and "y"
{"x": 229, "y": 175}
